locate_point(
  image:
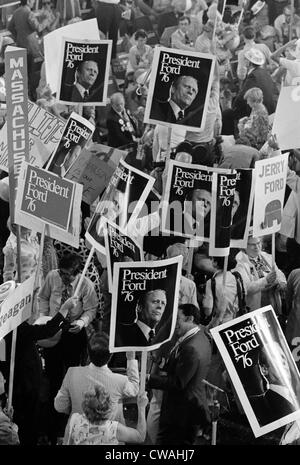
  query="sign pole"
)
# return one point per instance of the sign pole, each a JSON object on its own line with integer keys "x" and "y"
{"x": 292, "y": 19}
{"x": 225, "y": 270}
{"x": 273, "y": 251}
{"x": 14, "y": 333}
{"x": 84, "y": 271}
{"x": 143, "y": 371}
{"x": 41, "y": 250}
{"x": 223, "y": 9}
{"x": 12, "y": 368}
{"x": 168, "y": 156}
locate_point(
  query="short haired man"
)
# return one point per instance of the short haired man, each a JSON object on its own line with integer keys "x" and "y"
{"x": 196, "y": 210}
{"x": 184, "y": 406}
{"x": 149, "y": 311}
{"x": 180, "y": 38}
{"x": 86, "y": 75}
{"x": 183, "y": 92}
{"x": 121, "y": 126}
{"x": 59, "y": 285}
{"x": 78, "y": 379}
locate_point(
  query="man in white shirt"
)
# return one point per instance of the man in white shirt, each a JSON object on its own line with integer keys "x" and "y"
{"x": 283, "y": 23}
{"x": 180, "y": 38}
{"x": 79, "y": 379}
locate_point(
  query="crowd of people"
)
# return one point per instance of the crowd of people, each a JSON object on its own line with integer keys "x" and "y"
{"x": 65, "y": 345}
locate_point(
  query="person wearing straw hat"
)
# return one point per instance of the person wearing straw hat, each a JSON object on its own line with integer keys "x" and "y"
{"x": 257, "y": 76}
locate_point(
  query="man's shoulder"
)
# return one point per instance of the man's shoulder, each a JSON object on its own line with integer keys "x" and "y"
{"x": 161, "y": 110}
{"x": 76, "y": 95}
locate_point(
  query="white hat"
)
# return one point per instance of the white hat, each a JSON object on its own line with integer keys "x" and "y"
{"x": 255, "y": 56}
{"x": 296, "y": 51}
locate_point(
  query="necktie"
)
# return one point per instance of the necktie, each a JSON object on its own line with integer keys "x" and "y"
{"x": 151, "y": 336}
{"x": 187, "y": 39}
{"x": 85, "y": 95}
{"x": 180, "y": 115}
{"x": 66, "y": 293}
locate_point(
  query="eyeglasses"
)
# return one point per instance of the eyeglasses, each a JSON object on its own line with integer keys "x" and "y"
{"x": 68, "y": 274}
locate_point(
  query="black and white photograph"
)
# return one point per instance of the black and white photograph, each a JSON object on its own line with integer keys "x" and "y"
{"x": 179, "y": 88}
{"x": 84, "y": 70}
{"x": 224, "y": 206}
{"x": 119, "y": 247}
{"x": 121, "y": 202}
{"x": 150, "y": 226}
{"x": 76, "y": 135}
{"x": 186, "y": 206}
{"x": 242, "y": 208}
{"x": 144, "y": 299}
{"x": 262, "y": 369}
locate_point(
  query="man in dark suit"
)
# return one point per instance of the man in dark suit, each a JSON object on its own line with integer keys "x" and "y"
{"x": 149, "y": 310}
{"x": 275, "y": 397}
{"x": 86, "y": 75}
{"x": 184, "y": 406}
{"x": 183, "y": 92}
{"x": 120, "y": 125}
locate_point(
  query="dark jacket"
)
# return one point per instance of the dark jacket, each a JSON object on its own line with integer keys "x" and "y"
{"x": 130, "y": 335}
{"x": 184, "y": 400}
{"x": 162, "y": 111}
{"x": 28, "y": 369}
{"x": 261, "y": 78}
{"x": 116, "y": 137}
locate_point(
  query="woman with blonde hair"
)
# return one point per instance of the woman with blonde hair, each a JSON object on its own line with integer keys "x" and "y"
{"x": 253, "y": 130}
{"x": 94, "y": 426}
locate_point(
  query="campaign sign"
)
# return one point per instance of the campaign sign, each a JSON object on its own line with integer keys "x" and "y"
{"x": 17, "y": 117}
{"x": 45, "y": 196}
{"x": 144, "y": 299}
{"x": 45, "y": 131}
{"x": 53, "y": 43}
{"x": 94, "y": 168}
{"x": 119, "y": 247}
{"x": 17, "y": 307}
{"x": 261, "y": 368}
{"x": 122, "y": 202}
{"x": 242, "y": 208}
{"x": 76, "y": 135}
{"x": 84, "y": 71}
{"x": 270, "y": 182}
{"x": 224, "y": 206}
{"x": 186, "y": 206}
{"x": 179, "y": 89}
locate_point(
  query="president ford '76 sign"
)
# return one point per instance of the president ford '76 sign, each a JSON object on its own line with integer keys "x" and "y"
{"x": 45, "y": 196}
